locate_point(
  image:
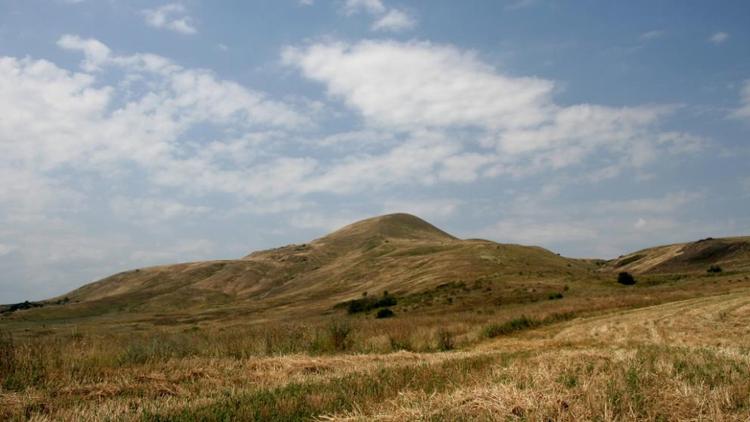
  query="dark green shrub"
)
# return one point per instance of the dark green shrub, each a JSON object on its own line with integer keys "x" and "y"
{"x": 555, "y": 296}
{"x": 714, "y": 269}
{"x": 625, "y": 278}
{"x": 384, "y": 313}
{"x": 369, "y": 303}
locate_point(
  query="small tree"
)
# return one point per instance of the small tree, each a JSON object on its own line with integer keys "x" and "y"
{"x": 625, "y": 278}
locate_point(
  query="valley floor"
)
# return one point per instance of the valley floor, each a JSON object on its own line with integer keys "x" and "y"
{"x": 683, "y": 360}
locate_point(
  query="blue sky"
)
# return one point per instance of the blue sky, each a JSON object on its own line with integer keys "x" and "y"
{"x": 136, "y": 133}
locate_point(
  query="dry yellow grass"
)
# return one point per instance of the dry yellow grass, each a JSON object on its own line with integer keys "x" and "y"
{"x": 684, "y": 360}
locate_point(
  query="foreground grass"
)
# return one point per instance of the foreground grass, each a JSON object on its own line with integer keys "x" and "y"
{"x": 684, "y": 360}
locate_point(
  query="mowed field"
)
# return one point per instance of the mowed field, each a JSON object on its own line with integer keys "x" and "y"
{"x": 680, "y": 360}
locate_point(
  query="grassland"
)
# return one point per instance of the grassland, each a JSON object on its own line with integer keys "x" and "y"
{"x": 518, "y": 333}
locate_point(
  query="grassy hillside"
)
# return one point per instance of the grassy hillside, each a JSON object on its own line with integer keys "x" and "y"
{"x": 398, "y": 253}
{"x": 732, "y": 253}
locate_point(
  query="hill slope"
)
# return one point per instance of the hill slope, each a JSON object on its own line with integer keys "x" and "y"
{"x": 398, "y": 253}
{"x": 732, "y": 253}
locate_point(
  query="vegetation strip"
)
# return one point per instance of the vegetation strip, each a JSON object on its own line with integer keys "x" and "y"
{"x": 298, "y": 401}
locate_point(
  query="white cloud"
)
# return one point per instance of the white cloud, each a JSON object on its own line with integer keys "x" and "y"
{"x": 743, "y": 112}
{"x": 95, "y": 52}
{"x": 394, "y": 20}
{"x": 719, "y": 38}
{"x": 386, "y": 19}
{"x": 57, "y": 120}
{"x": 417, "y": 86}
{"x": 171, "y": 16}
{"x": 306, "y": 2}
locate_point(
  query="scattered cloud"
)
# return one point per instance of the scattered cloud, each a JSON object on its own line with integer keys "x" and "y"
{"x": 719, "y": 38}
{"x": 306, "y": 2}
{"x": 173, "y": 17}
{"x": 386, "y": 19}
{"x": 394, "y": 20}
{"x": 95, "y": 52}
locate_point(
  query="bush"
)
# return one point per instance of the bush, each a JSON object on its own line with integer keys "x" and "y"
{"x": 384, "y": 313}
{"x": 625, "y": 278}
{"x": 714, "y": 269}
{"x": 554, "y": 296}
{"x": 369, "y": 303}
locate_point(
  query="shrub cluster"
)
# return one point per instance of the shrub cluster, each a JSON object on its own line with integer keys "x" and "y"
{"x": 384, "y": 313}
{"x": 625, "y": 278}
{"x": 369, "y": 303}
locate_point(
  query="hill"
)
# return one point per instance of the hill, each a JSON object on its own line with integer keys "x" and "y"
{"x": 398, "y": 253}
{"x": 731, "y": 253}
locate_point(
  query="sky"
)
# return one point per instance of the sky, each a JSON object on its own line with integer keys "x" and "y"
{"x": 136, "y": 133}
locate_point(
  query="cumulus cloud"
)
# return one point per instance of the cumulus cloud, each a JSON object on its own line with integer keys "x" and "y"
{"x": 172, "y": 17}
{"x": 413, "y": 86}
{"x": 418, "y": 84}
